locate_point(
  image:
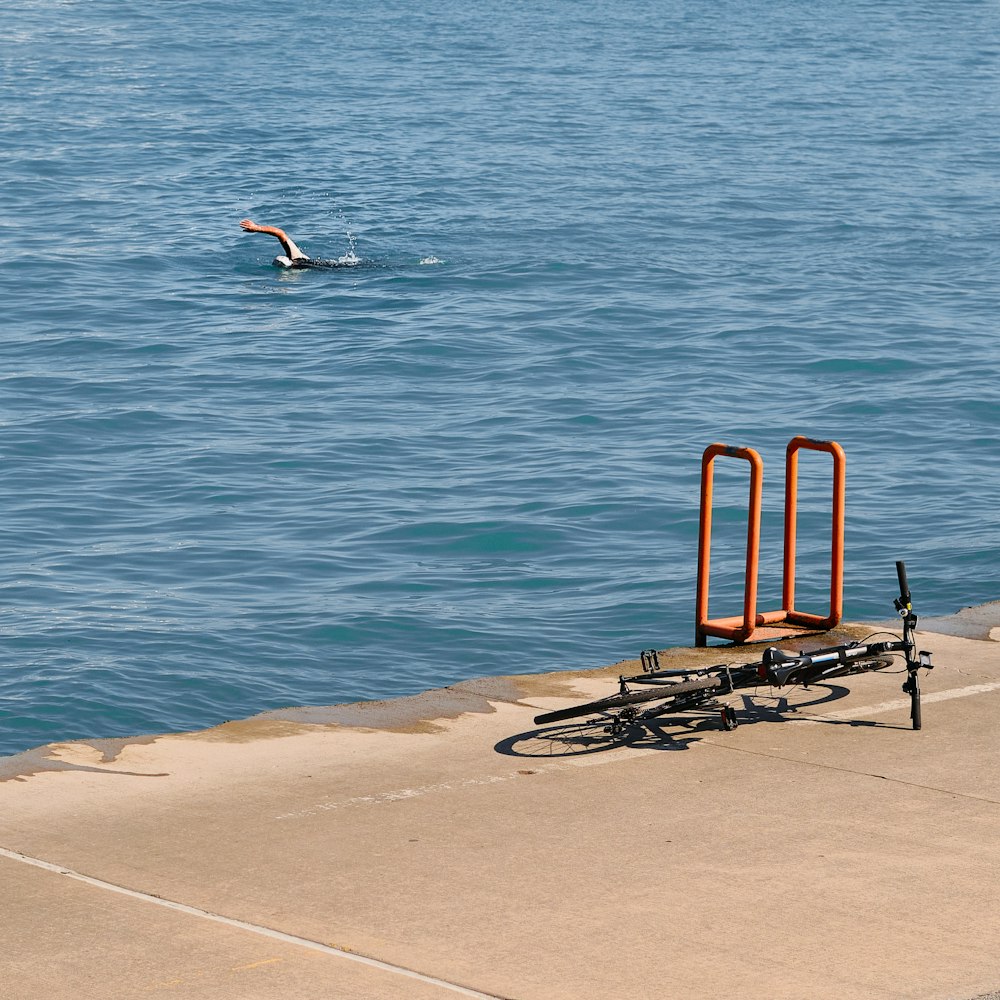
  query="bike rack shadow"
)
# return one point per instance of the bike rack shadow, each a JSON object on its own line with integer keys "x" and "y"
{"x": 669, "y": 732}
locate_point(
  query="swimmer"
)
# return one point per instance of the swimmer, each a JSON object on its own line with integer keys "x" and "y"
{"x": 293, "y": 256}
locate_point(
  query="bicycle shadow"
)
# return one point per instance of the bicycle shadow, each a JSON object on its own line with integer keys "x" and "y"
{"x": 590, "y": 736}
{"x": 672, "y": 732}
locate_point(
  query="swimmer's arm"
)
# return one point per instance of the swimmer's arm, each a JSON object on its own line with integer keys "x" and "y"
{"x": 288, "y": 245}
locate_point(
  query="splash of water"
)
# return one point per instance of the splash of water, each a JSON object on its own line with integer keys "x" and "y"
{"x": 351, "y": 258}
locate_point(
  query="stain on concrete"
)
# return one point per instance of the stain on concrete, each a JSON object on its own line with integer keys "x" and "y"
{"x": 419, "y": 713}
{"x": 269, "y": 726}
{"x": 22, "y": 766}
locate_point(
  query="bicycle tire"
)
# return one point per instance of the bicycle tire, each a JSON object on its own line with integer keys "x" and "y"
{"x": 881, "y": 662}
{"x": 660, "y": 693}
{"x": 817, "y": 673}
{"x": 865, "y": 665}
{"x": 912, "y": 688}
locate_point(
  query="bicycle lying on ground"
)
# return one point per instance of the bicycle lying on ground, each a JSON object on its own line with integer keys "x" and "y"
{"x": 673, "y": 692}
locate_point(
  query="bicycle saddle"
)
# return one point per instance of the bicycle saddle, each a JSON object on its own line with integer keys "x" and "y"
{"x": 773, "y": 655}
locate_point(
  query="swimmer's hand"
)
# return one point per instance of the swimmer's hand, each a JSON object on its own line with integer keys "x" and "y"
{"x": 250, "y": 227}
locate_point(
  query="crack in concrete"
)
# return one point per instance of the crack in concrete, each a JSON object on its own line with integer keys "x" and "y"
{"x": 850, "y": 770}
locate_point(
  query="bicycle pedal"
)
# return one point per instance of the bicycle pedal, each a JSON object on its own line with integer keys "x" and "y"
{"x": 650, "y": 661}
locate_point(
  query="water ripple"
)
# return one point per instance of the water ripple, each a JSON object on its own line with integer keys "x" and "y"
{"x": 227, "y": 488}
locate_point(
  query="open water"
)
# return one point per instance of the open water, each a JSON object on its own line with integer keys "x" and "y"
{"x": 591, "y": 239}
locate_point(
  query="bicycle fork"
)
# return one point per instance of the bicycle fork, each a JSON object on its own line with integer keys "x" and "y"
{"x": 923, "y": 659}
{"x": 912, "y": 687}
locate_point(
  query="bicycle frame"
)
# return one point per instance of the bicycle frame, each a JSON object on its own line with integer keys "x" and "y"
{"x": 682, "y": 690}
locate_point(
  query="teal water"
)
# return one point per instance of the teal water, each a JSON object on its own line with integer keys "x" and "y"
{"x": 594, "y": 238}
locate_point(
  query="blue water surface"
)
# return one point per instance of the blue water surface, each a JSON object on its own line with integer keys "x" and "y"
{"x": 593, "y": 238}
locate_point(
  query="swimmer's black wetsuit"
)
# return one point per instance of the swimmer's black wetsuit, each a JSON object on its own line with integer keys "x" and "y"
{"x": 309, "y": 262}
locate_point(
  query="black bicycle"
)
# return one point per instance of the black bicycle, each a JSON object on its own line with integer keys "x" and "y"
{"x": 673, "y": 692}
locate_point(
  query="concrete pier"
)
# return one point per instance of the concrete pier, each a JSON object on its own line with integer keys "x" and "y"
{"x": 445, "y": 846}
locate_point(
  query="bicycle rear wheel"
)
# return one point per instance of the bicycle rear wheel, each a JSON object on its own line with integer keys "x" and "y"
{"x": 817, "y": 673}
{"x": 662, "y": 692}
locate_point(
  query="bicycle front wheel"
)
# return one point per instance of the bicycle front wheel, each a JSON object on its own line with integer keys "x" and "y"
{"x": 859, "y": 666}
{"x": 662, "y": 692}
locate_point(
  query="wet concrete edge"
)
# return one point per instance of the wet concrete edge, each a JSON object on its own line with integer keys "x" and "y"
{"x": 429, "y": 711}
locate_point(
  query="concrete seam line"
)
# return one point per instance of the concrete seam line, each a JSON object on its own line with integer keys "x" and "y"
{"x": 243, "y": 925}
{"x": 851, "y": 770}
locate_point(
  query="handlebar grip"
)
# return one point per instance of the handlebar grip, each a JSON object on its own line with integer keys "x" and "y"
{"x": 904, "y": 587}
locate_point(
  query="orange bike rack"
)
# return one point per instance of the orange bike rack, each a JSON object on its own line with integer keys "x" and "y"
{"x": 752, "y": 626}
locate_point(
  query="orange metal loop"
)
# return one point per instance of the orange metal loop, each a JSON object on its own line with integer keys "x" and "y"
{"x": 735, "y": 629}
{"x": 802, "y": 618}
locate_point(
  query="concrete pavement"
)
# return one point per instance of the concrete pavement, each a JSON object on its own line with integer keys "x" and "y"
{"x": 444, "y": 845}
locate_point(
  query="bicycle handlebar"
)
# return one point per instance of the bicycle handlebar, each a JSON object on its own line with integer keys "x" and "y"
{"x": 904, "y": 587}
